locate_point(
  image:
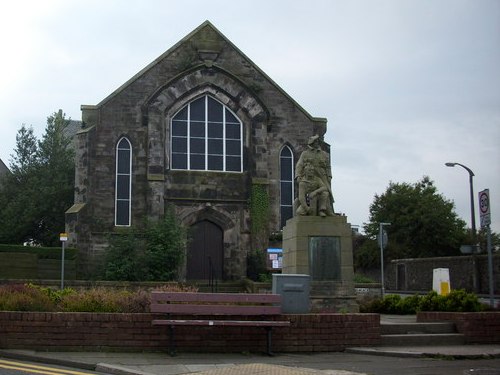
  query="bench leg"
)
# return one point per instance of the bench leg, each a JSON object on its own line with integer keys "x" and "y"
{"x": 269, "y": 331}
{"x": 171, "y": 337}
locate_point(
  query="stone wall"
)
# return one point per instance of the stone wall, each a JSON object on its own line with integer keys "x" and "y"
{"x": 134, "y": 332}
{"x": 418, "y": 273}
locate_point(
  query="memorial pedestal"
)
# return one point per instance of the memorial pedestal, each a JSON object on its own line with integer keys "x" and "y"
{"x": 322, "y": 248}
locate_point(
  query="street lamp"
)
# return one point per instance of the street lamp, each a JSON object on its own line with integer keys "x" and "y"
{"x": 382, "y": 244}
{"x": 472, "y": 215}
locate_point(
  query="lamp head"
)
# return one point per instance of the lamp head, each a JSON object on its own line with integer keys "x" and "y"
{"x": 450, "y": 164}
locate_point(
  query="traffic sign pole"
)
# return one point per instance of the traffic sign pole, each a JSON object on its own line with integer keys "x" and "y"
{"x": 485, "y": 215}
{"x": 63, "y": 237}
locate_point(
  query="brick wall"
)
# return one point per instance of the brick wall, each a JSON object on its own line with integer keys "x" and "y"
{"x": 478, "y": 328}
{"x": 134, "y": 332}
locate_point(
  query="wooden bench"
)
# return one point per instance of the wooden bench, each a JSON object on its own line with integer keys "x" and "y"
{"x": 221, "y": 308}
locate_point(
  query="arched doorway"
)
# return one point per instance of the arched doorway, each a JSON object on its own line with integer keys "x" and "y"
{"x": 205, "y": 252}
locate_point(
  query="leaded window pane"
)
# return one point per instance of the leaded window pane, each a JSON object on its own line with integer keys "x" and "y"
{"x": 286, "y": 193}
{"x": 215, "y": 163}
{"x": 197, "y": 162}
{"x": 123, "y": 187}
{"x": 197, "y": 109}
{"x": 233, "y": 163}
{"x": 233, "y": 147}
{"x": 231, "y": 118}
{"x": 233, "y": 131}
{"x": 179, "y": 145}
{"x": 215, "y": 130}
{"x": 215, "y": 147}
{"x": 182, "y": 114}
{"x": 122, "y": 212}
{"x": 179, "y": 161}
{"x": 123, "y": 161}
{"x": 214, "y": 110}
{"x": 197, "y": 145}
{"x": 197, "y": 129}
{"x": 286, "y": 170}
{"x": 179, "y": 128}
{"x": 123, "y": 144}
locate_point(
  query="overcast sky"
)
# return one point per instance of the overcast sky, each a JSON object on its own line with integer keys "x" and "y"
{"x": 406, "y": 85}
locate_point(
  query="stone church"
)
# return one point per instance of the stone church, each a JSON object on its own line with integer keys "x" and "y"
{"x": 201, "y": 129}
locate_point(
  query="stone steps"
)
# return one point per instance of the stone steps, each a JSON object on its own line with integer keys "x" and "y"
{"x": 420, "y": 334}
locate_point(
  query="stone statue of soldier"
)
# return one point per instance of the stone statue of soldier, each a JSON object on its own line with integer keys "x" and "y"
{"x": 313, "y": 173}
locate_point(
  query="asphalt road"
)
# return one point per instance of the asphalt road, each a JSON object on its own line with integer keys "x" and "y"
{"x": 11, "y": 367}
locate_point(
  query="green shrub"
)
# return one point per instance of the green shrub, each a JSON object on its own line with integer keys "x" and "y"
{"x": 153, "y": 254}
{"x": 433, "y": 302}
{"x": 165, "y": 247}
{"x": 461, "y": 301}
{"x": 362, "y": 279}
{"x": 391, "y": 304}
{"x": 457, "y": 301}
{"x": 409, "y": 305}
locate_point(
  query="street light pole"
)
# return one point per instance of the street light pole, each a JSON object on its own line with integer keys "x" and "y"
{"x": 475, "y": 272}
{"x": 472, "y": 212}
{"x": 382, "y": 245}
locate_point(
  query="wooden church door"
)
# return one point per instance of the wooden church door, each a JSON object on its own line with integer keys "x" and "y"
{"x": 205, "y": 252}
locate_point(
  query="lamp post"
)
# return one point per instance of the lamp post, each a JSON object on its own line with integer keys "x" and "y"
{"x": 472, "y": 215}
{"x": 475, "y": 272}
{"x": 382, "y": 244}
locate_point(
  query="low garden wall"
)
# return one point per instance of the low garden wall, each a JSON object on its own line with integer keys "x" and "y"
{"x": 477, "y": 327}
{"x": 134, "y": 332}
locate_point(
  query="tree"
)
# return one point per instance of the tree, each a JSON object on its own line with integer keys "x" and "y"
{"x": 423, "y": 222}
{"x": 34, "y": 197}
{"x": 57, "y": 179}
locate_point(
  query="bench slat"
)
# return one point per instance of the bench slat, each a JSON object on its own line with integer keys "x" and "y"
{"x": 230, "y": 323}
{"x": 215, "y": 297}
{"x": 180, "y": 308}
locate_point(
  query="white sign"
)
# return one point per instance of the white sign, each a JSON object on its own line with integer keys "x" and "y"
{"x": 63, "y": 237}
{"x": 484, "y": 208}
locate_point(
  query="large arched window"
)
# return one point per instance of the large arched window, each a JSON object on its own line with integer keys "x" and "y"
{"x": 123, "y": 184}
{"x": 206, "y": 136}
{"x": 286, "y": 184}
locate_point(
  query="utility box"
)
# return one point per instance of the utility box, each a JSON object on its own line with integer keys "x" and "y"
{"x": 441, "y": 281}
{"x": 294, "y": 290}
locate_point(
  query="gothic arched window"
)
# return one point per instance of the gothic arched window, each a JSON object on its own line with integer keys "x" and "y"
{"x": 286, "y": 185}
{"x": 123, "y": 184}
{"x": 206, "y": 136}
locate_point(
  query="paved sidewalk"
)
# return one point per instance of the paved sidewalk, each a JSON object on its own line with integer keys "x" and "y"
{"x": 478, "y": 359}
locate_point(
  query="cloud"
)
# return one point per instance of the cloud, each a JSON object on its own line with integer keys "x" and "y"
{"x": 405, "y": 85}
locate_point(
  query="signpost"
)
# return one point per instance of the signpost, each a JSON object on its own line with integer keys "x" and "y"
{"x": 484, "y": 208}
{"x": 63, "y": 237}
{"x": 485, "y": 216}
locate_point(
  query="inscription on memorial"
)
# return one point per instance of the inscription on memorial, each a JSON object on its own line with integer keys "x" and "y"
{"x": 324, "y": 258}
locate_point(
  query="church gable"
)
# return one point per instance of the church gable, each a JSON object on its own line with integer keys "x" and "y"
{"x": 197, "y": 129}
